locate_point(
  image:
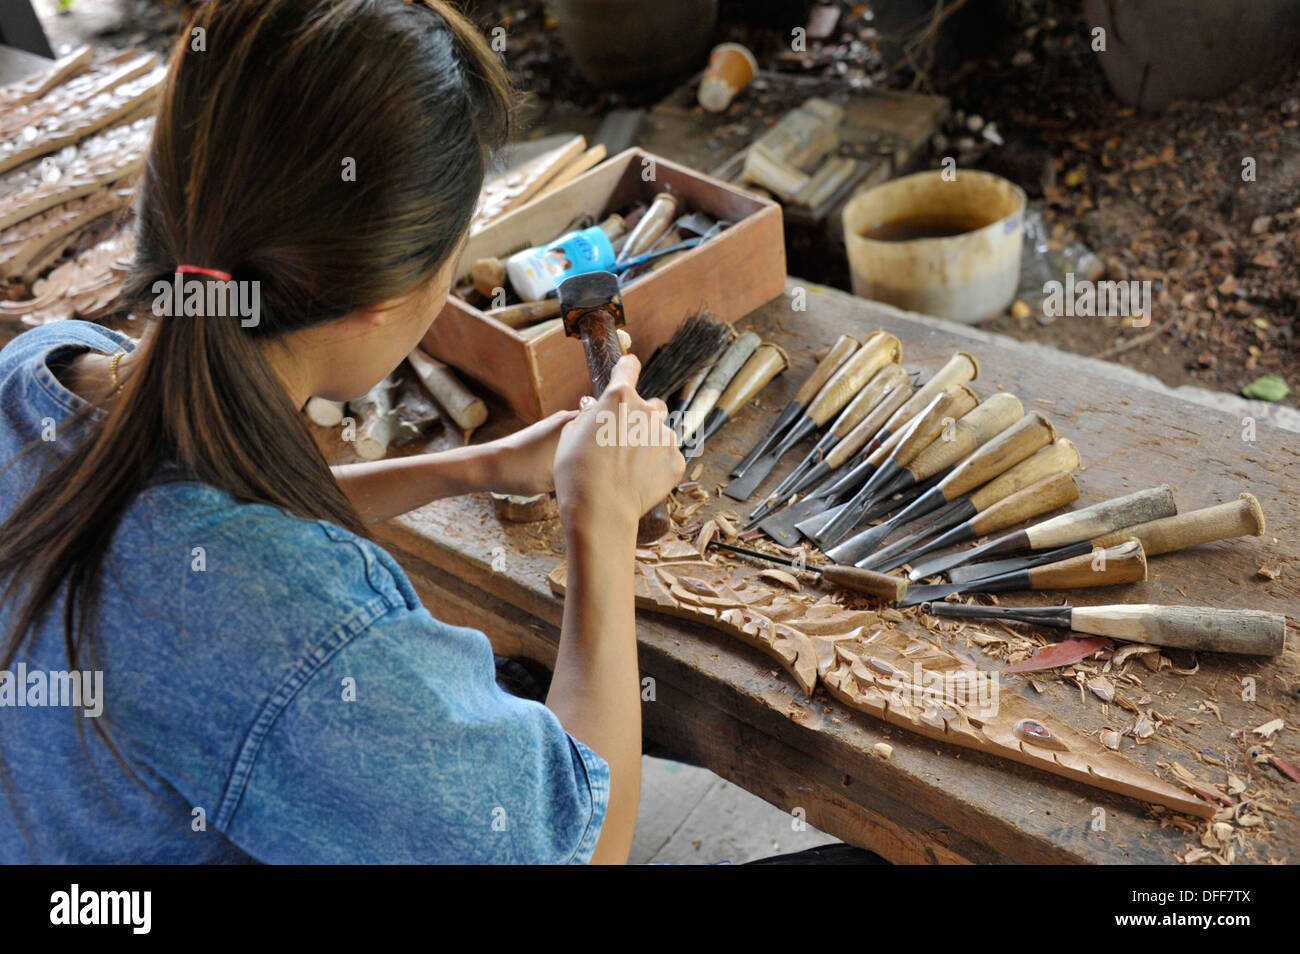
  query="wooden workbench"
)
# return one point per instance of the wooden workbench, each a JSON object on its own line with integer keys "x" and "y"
{"x": 726, "y": 706}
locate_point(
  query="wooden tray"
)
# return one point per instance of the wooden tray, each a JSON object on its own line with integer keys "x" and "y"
{"x": 731, "y": 275}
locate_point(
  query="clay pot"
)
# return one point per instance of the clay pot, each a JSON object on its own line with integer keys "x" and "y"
{"x": 621, "y": 42}
{"x": 1158, "y": 51}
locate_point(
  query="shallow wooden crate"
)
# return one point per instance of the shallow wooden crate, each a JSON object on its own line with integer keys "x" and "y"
{"x": 730, "y": 275}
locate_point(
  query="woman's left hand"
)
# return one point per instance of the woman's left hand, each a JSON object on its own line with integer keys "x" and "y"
{"x": 523, "y": 463}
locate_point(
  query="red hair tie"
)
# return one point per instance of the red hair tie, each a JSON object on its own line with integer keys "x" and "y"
{"x": 215, "y": 273}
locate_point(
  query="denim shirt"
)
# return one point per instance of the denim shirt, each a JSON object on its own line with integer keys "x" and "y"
{"x": 274, "y": 685}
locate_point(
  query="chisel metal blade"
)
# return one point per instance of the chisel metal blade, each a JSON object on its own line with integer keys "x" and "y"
{"x": 978, "y": 571}
{"x": 770, "y": 439}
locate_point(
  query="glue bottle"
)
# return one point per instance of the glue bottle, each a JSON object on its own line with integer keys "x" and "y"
{"x": 535, "y": 273}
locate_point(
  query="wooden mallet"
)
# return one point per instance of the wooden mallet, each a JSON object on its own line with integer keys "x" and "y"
{"x": 592, "y": 309}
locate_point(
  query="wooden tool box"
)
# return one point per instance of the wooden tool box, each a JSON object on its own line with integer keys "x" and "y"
{"x": 730, "y": 275}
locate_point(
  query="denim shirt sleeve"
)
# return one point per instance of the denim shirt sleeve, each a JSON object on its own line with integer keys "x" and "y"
{"x": 399, "y": 747}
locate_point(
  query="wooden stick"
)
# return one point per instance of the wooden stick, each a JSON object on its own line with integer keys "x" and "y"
{"x": 460, "y": 404}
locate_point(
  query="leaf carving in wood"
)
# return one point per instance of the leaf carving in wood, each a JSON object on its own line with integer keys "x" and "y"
{"x": 905, "y": 679}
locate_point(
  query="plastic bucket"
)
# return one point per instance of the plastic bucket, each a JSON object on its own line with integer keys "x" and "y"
{"x": 966, "y": 277}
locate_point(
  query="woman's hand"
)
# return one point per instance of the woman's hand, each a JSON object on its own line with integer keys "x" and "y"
{"x": 617, "y": 458}
{"x": 522, "y": 463}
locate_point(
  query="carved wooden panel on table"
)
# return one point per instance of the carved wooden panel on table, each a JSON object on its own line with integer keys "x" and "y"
{"x": 1129, "y": 440}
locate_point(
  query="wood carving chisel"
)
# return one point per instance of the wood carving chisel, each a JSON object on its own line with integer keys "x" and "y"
{"x": 1142, "y": 506}
{"x": 1043, "y": 496}
{"x": 959, "y": 369}
{"x": 1242, "y": 517}
{"x": 877, "y": 351}
{"x": 1122, "y": 563}
{"x": 1198, "y": 628}
{"x": 971, "y": 431}
{"x": 837, "y": 355}
{"x": 719, "y": 376}
{"x": 763, "y": 365}
{"x": 1060, "y": 456}
{"x": 888, "y": 379}
{"x": 854, "y": 443}
{"x": 891, "y": 588}
{"x": 999, "y": 455}
{"x": 904, "y": 445}
{"x": 592, "y": 310}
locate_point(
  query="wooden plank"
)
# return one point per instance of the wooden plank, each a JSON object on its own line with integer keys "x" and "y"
{"x": 783, "y": 746}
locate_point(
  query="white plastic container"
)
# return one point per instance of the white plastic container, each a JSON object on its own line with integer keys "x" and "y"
{"x": 966, "y": 277}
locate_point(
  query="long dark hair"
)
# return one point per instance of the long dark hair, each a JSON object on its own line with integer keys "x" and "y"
{"x": 265, "y": 104}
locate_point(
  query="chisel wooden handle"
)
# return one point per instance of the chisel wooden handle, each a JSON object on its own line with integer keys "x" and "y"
{"x": 839, "y": 352}
{"x": 1052, "y": 491}
{"x": 1060, "y": 456}
{"x": 463, "y": 407}
{"x": 1122, "y": 563}
{"x": 892, "y": 588}
{"x": 1251, "y": 632}
{"x": 974, "y": 429}
{"x": 764, "y": 364}
{"x": 1009, "y": 448}
{"x": 726, "y": 368}
{"x": 927, "y": 426}
{"x": 525, "y": 313}
{"x": 1127, "y": 511}
{"x": 961, "y": 367}
{"x": 891, "y": 376}
{"x": 930, "y": 426}
{"x": 867, "y": 428}
{"x": 1242, "y": 517}
{"x": 879, "y": 350}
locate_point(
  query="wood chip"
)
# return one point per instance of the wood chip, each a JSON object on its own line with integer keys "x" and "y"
{"x": 884, "y": 750}
{"x": 781, "y": 577}
{"x": 1269, "y": 729}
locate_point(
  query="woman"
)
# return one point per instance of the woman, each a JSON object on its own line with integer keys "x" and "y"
{"x": 272, "y": 689}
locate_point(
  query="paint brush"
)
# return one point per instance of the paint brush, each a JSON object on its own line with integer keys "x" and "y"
{"x": 697, "y": 340}
{"x": 891, "y": 588}
{"x": 834, "y": 357}
{"x": 999, "y": 455}
{"x": 1123, "y": 563}
{"x": 1141, "y": 506}
{"x": 877, "y": 351}
{"x": 1198, "y": 628}
{"x": 1242, "y": 517}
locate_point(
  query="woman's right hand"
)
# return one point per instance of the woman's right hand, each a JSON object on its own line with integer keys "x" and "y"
{"x": 613, "y": 464}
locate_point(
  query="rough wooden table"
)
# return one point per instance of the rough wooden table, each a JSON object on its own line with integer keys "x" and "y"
{"x": 725, "y": 706}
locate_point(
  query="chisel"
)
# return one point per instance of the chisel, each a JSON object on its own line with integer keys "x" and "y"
{"x": 999, "y": 455}
{"x": 879, "y": 350}
{"x": 837, "y": 355}
{"x": 891, "y": 588}
{"x": 854, "y": 443}
{"x": 905, "y": 444}
{"x": 1060, "y": 456}
{"x": 767, "y": 361}
{"x": 1242, "y": 517}
{"x": 1077, "y": 525}
{"x": 959, "y": 369}
{"x": 1044, "y": 495}
{"x": 1123, "y": 563}
{"x": 1198, "y": 628}
{"x": 888, "y": 379}
{"x": 971, "y": 431}
{"x": 719, "y": 376}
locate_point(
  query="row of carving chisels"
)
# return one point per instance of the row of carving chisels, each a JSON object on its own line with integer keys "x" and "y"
{"x": 901, "y": 473}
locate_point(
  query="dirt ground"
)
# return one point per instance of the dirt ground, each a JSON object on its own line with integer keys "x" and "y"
{"x": 1156, "y": 197}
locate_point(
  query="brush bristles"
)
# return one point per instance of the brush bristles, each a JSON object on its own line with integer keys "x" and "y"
{"x": 699, "y": 339}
